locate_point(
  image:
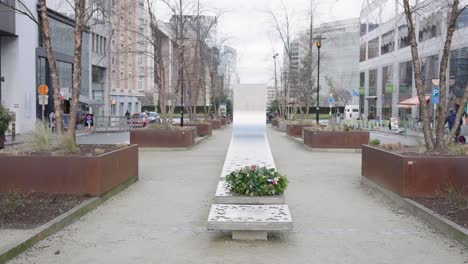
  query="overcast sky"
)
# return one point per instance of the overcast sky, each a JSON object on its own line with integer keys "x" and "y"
{"x": 250, "y": 31}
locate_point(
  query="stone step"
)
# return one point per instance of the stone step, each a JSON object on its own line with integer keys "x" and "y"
{"x": 249, "y": 222}
{"x": 224, "y": 196}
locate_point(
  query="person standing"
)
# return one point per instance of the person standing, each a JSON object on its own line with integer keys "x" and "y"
{"x": 52, "y": 121}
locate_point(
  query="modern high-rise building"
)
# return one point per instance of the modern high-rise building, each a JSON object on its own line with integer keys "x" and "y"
{"x": 339, "y": 60}
{"x": 386, "y": 74}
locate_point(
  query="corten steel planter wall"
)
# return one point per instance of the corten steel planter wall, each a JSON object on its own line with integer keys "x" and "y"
{"x": 68, "y": 174}
{"x": 223, "y": 121}
{"x": 275, "y": 122}
{"x": 415, "y": 176}
{"x": 203, "y": 129}
{"x": 164, "y": 138}
{"x": 335, "y": 139}
{"x": 295, "y": 130}
{"x": 216, "y": 123}
{"x": 2, "y": 140}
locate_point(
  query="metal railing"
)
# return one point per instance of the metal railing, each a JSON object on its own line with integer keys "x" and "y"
{"x": 112, "y": 123}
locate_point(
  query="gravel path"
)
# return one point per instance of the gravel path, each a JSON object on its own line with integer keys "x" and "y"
{"x": 162, "y": 218}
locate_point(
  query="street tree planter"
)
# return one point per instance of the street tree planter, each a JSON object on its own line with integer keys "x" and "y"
{"x": 414, "y": 175}
{"x": 81, "y": 175}
{"x": 335, "y": 139}
{"x": 216, "y": 123}
{"x": 176, "y": 137}
{"x": 223, "y": 121}
{"x": 2, "y": 140}
{"x": 295, "y": 129}
{"x": 275, "y": 122}
{"x": 203, "y": 129}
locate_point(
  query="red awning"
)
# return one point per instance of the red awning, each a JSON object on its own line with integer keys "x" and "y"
{"x": 410, "y": 102}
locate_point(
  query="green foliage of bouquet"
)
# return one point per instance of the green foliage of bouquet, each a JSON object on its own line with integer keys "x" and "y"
{"x": 257, "y": 181}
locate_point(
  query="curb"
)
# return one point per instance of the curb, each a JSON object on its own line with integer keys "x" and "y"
{"x": 198, "y": 140}
{"x": 63, "y": 220}
{"x": 339, "y": 150}
{"x": 442, "y": 224}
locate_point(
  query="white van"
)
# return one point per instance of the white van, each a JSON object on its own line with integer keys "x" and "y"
{"x": 352, "y": 112}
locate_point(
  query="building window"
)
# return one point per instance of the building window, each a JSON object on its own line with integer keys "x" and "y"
{"x": 406, "y": 80}
{"x": 140, "y": 59}
{"x": 388, "y": 11}
{"x": 403, "y": 37}
{"x": 362, "y": 55}
{"x": 374, "y": 19}
{"x": 363, "y": 27}
{"x": 140, "y": 83}
{"x": 458, "y": 71}
{"x": 362, "y": 89}
{"x": 373, "y": 48}
{"x": 388, "y": 42}
{"x": 430, "y": 27}
{"x": 372, "y": 102}
{"x": 429, "y": 71}
{"x": 387, "y": 92}
{"x": 462, "y": 21}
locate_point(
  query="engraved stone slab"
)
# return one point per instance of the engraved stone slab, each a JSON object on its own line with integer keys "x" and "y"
{"x": 231, "y": 217}
{"x": 224, "y": 196}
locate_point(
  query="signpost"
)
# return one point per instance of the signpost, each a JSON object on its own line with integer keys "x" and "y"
{"x": 435, "y": 99}
{"x": 43, "y": 91}
{"x": 331, "y": 102}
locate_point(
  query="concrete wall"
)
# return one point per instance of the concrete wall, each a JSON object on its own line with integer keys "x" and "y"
{"x": 19, "y": 70}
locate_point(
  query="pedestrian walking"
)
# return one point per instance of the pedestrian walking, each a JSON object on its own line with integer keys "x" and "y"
{"x": 451, "y": 118}
{"x": 52, "y": 121}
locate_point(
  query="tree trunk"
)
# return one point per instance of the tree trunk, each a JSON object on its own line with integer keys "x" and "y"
{"x": 78, "y": 41}
{"x": 47, "y": 43}
{"x": 417, "y": 76}
{"x": 440, "y": 145}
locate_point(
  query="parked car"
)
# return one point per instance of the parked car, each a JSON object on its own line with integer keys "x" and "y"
{"x": 139, "y": 120}
{"x": 153, "y": 117}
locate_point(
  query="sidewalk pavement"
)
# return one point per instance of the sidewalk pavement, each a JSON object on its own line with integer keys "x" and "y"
{"x": 162, "y": 218}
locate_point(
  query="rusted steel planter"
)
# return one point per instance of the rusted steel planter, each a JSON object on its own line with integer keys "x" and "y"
{"x": 2, "y": 140}
{"x": 414, "y": 176}
{"x": 181, "y": 137}
{"x": 164, "y": 138}
{"x": 216, "y": 123}
{"x": 203, "y": 129}
{"x": 86, "y": 175}
{"x": 295, "y": 130}
{"x": 335, "y": 139}
{"x": 275, "y": 122}
{"x": 223, "y": 121}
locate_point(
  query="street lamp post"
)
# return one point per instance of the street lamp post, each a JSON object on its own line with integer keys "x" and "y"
{"x": 276, "y": 79}
{"x": 318, "y": 43}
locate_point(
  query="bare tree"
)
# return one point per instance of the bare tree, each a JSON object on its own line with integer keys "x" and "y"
{"x": 282, "y": 26}
{"x": 342, "y": 97}
{"x": 441, "y": 143}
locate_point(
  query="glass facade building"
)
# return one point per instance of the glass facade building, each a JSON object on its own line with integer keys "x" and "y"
{"x": 386, "y": 71}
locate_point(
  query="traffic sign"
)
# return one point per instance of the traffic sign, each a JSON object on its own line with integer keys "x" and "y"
{"x": 43, "y": 89}
{"x": 435, "y": 99}
{"x": 43, "y": 99}
{"x": 331, "y": 101}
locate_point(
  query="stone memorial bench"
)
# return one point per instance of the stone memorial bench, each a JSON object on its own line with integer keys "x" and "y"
{"x": 249, "y": 222}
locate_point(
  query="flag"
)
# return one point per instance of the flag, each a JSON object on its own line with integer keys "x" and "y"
{"x": 355, "y": 93}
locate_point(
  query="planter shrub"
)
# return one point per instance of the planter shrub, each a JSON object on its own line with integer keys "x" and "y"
{"x": 5, "y": 120}
{"x": 256, "y": 181}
